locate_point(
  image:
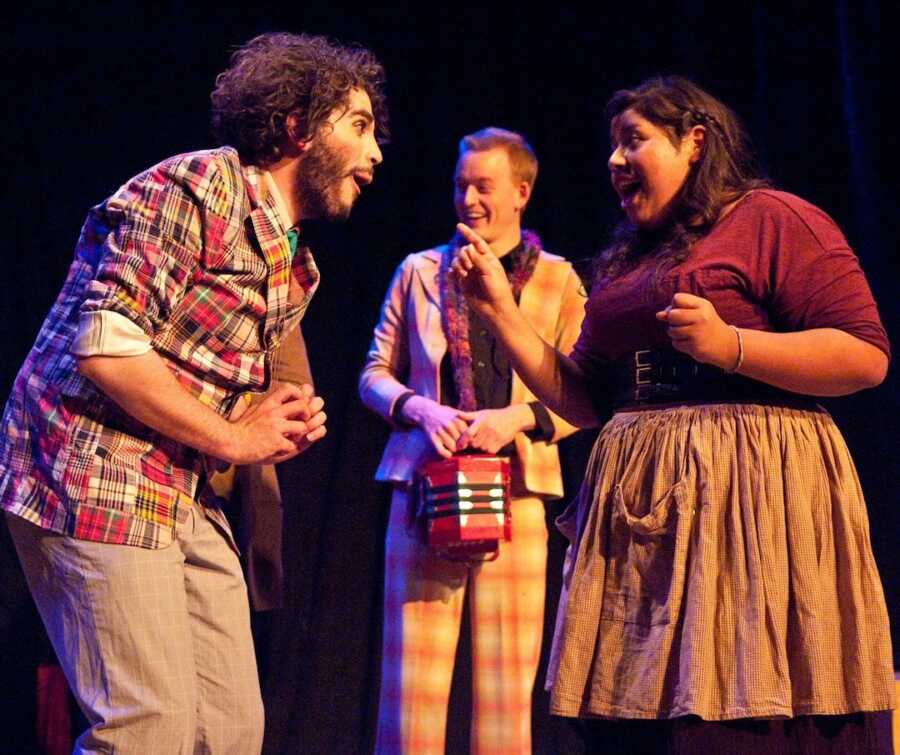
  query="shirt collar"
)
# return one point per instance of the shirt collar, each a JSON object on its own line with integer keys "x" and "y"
{"x": 507, "y": 259}
{"x": 281, "y": 208}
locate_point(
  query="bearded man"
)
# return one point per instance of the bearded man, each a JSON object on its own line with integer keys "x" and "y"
{"x": 437, "y": 375}
{"x": 185, "y": 283}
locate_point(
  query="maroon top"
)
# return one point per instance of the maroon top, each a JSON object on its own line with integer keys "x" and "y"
{"x": 775, "y": 263}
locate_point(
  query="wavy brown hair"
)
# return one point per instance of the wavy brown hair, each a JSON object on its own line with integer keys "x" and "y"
{"x": 726, "y": 169}
{"x": 277, "y": 75}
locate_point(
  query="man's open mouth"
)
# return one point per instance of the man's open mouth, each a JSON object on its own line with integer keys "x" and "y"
{"x": 362, "y": 178}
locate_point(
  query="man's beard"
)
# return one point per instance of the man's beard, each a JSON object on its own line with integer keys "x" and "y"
{"x": 318, "y": 185}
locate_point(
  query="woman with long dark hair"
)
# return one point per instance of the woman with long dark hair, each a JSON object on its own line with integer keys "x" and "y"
{"x": 720, "y": 582}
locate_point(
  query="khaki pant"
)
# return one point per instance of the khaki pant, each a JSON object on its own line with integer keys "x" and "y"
{"x": 155, "y": 644}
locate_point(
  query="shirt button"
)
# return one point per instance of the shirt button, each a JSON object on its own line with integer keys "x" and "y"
{"x": 481, "y": 364}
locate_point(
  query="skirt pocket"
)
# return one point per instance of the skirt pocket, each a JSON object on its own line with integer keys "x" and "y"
{"x": 646, "y": 555}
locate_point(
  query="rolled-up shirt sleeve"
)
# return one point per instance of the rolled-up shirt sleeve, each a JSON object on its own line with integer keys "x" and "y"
{"x": 108, "y": 333}
{"x": 148, "y": 248}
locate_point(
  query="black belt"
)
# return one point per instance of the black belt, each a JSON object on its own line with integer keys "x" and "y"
{"x": 658, "y": 376}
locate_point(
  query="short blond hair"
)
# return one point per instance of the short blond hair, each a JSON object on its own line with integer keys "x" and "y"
{"x": 522, "y": 160}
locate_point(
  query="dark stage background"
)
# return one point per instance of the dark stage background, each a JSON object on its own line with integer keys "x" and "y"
{"x": 95, "y": 93}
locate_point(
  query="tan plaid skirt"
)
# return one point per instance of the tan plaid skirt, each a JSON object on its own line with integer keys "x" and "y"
{"x": 720, "y": 566}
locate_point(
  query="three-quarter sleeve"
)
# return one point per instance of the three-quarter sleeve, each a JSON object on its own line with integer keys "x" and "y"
{"x": 811, "y": 275}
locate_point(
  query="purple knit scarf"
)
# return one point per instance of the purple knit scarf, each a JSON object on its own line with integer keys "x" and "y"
{"x": 455, "y": 310}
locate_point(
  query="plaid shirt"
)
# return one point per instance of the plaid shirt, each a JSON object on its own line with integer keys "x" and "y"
{"x": 192, "y": 251}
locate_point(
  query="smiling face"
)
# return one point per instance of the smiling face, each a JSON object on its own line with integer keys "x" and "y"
{"x": 647, "y": 170}
{"x": 339, "y": 161}
{"x": 489, "y": 199}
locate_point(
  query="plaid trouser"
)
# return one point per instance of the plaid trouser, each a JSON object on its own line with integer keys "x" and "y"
{"x": 423, "y": 608}
{"x": 155, "y": 643}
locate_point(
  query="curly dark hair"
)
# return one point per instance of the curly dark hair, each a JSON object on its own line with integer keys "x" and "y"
{"x": 726, "y": 169}
{"x": 276, "y": 75}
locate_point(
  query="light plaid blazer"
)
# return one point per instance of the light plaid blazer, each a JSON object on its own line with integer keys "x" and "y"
{"x": 409, "y": 344}
{"x": 193, "y": 252}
